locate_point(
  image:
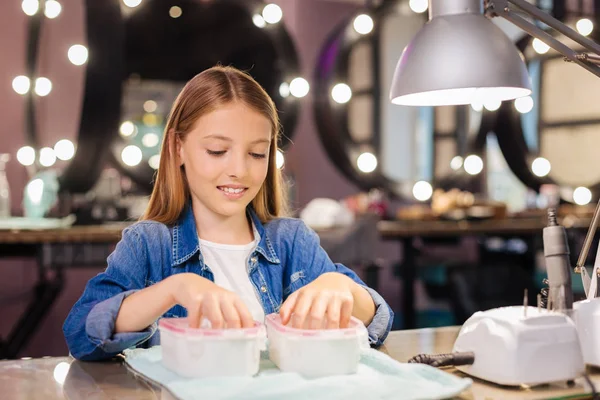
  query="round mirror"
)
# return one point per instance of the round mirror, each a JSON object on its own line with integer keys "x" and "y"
{"x": 166, "y": 45}
{"x": 407, "y": 151}
{"x": 134, "y": 58}
{"x": 71, "y": 100}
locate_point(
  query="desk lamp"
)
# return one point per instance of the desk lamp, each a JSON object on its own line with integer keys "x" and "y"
{"x": 460, "y": 57}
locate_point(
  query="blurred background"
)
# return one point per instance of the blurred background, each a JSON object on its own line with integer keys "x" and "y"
{"x": 439, "y": 209}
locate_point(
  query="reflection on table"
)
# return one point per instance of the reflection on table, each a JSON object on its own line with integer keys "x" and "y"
{"x": 66, "y": 378}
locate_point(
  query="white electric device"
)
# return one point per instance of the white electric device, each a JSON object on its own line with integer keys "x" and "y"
{"x": 521, "y": 346}
{"x": 587, "y": 316}
{"x": 587, "y": 320}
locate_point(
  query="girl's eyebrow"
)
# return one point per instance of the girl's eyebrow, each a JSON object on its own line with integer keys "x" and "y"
{"x": 260, "y": 141}
{"x": 216, "y": 136}
{"x": 228, "y": 139}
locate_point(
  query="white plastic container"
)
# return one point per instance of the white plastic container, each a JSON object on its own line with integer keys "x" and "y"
{"x": 316, "y": 353}
{"x": 205, "y": 352}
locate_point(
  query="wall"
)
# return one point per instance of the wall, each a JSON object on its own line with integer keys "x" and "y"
{"x": 310, "y": 22}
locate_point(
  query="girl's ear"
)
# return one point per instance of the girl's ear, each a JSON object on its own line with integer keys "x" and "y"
{"x": 176, "y": 147}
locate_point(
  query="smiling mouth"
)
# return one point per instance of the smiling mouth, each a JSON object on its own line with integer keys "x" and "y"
{"x": 229, "y": 190}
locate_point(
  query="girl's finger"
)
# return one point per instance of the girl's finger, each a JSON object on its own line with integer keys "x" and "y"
{"x": 230, "y": 314}
{"x": 301, "y": 309}
{"x": 334, "y": 309}
{"x": 244, "y": 314}
{"x": 346, "y": 312}
{"x": 194, "y": 314}
{"x": 212, "y": 310}
{"x": 286, "y": 309}
{"x": 317, "y": 311}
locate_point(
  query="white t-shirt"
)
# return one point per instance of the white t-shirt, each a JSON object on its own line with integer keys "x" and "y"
{"x": 229, "y": 265}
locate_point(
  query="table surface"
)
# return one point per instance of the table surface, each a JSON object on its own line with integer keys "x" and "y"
{"x": 66, "y": 378}
{"x": 109, "y": 233}
{"x": 395, "y": 229}
{"x": 390, "y": 229}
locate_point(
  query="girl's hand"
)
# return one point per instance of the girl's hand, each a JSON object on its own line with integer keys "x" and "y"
{"x": 204, "y": 299}
{"x": 326, "y": 302}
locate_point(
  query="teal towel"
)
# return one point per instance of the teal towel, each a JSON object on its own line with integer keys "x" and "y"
{"x": 378, "y": 377}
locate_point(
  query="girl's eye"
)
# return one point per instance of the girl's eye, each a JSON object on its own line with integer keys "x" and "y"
{"x": 258, "y": 156}
{"x": 215, "y": 153}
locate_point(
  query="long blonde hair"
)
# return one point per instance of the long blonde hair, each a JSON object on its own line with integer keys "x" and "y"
{"x": 203, "y": 94}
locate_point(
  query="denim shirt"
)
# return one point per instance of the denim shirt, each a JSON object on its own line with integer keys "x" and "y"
{"x": 287, "y": 257}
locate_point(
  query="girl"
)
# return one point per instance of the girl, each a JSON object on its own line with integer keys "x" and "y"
{"x": 212, "y": 243}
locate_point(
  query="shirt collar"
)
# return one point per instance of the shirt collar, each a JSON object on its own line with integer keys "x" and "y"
{"x": 186, "y": 244}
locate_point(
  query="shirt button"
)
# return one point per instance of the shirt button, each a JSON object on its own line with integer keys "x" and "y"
{"x": 254, "y": 259}
{"x": 263, "y": 289}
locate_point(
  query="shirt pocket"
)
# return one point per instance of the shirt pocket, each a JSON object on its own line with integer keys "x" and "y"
{"x": 296, "y": 282}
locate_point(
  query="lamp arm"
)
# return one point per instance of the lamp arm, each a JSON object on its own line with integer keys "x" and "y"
{"x": 552, "y": 22}
{"x": 590, "y": 61}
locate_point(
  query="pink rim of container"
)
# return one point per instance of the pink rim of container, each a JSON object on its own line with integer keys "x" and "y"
{"x": 180, "y": 325}
{"x": 274, "y": 320}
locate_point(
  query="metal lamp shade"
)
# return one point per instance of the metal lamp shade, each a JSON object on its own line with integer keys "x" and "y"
{"x": 459, "y": 59}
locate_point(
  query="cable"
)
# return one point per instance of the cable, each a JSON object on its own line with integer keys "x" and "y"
{"x": 468, "y": 358}
{"x": 444, "y": 360}
{"x": 592, "y": 387}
